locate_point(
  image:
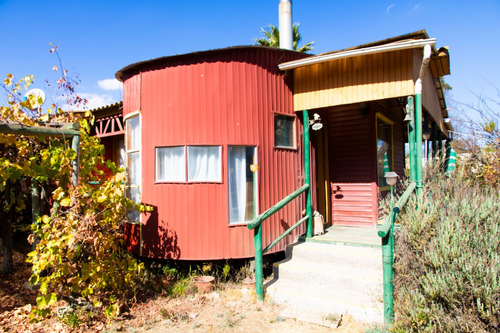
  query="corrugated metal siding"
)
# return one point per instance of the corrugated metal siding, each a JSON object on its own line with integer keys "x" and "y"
{"x": 224, "y": 98}
{"x": 353, "y": 80}
{"x": 354, "y": 201}
{"x": 132, "y": 94}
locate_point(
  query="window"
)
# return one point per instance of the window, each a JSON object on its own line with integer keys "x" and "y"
{"x": 242, "y": 184}
{"x": 203, "y": 164}
{"x": 133, "y": 162}
{"x": 284, "y": 131}
{"x": 384, "y": 150}
{"x": 170, "y": 164}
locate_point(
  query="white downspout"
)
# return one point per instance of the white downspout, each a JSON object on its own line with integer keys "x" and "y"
{"x": 418, "y": 116}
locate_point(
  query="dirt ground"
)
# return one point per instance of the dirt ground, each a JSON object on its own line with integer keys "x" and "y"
{"x": 231, "y": 308}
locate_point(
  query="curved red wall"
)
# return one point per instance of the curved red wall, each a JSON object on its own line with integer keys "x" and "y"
{"x": 223, "y": 97}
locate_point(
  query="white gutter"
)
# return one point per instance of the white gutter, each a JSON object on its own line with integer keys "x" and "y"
{"x": 412, "y": 44}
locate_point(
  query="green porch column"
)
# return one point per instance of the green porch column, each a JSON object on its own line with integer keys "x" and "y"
{"x": 307, "y": 170}
{"x": 411, "y": 137}
{"x": 418, "y": 141}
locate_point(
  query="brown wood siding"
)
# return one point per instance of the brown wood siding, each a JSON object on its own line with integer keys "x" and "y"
{"x": 354, "y": 80}
{"x": 351, "y": 166}
{"x": 430, "y": 100}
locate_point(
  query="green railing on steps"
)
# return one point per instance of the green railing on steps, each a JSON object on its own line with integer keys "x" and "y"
{"x": 386, "y": 231}
{"x": 256, "y": 224}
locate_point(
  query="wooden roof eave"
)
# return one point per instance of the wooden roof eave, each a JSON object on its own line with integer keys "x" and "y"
{"x": 404, "y": 45}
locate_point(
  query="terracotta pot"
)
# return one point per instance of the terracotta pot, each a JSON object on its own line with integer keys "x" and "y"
{"x": 204, "y": 284}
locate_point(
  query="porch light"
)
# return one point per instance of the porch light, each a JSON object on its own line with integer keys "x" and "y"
{"x": 315, "y": 123}
{"x": 426, "y": 135}
{"x": 408, "y": 117}
{"x": 391, "y": 178}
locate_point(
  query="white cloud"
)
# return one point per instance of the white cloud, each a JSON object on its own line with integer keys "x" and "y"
{"x": 388, "y": 9}
{"x": 416, "y": 6}
{"x": 93, "y": 101}
{"x": 96, "y": 100}
{"x": 110, "y": 84}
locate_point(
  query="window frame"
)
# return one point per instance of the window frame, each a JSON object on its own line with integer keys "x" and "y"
{"x": 379, "y": 116}
{"x": 128, "y": 152}
{"x": 294, "y": 130}
{"x": 186, "y": 166}
{"x": 255, "y": 194}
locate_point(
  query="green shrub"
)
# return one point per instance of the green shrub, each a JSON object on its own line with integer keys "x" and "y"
{"x": 447, "y": 258}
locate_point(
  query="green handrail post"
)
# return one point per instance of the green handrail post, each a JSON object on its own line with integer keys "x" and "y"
{"x": 411, "y": 137}
{"x": 388, "y": 263}
{"x": 418, "y": 141}
{"x": 386, "y": 232}
{"x": 307, "y": 170}
{"x": 259, "y": 275}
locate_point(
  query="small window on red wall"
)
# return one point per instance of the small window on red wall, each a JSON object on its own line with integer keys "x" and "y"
{"x": 202, "y": 163}
{"x": 284, "y": 131}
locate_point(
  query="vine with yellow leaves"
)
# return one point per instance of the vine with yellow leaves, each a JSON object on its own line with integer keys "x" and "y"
{"x": 79, "y": 245}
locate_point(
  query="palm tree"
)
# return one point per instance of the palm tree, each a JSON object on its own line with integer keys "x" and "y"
{"x": 272, "y": 38}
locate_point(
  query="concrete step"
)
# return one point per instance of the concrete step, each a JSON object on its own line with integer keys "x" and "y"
{"x": 320, "y": 281}
{"x": 313, "y": 307}
{"x": 363, "y": 294}
{"x": 335, "y": 254}
{"x": 328, "y": 274}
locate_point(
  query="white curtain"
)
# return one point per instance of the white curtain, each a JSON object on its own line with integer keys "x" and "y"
{"x": 204, "y": 163}
{"x": 237, "y": 184}
{"x": 170, "y": 164}
{"x": 133, "y": 134}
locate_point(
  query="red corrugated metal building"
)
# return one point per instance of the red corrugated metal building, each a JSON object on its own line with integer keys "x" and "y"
{"x": 214, "y": 110}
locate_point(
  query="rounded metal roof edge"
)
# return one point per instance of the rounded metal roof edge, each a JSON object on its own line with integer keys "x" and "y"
{"x": 119, "y": 74}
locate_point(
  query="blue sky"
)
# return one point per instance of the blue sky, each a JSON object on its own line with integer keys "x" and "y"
{"x": 97, "y": 38}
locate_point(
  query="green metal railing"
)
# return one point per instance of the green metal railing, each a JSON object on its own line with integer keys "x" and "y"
{"x": 256, "y": 224}
{"x": 386, "y": 231}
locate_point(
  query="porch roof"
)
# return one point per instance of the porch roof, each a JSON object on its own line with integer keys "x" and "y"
{"x": 379, "y": 70}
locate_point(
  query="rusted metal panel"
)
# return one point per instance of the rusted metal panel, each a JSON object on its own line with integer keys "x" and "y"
{"x": 351, "y": 175}
{"x": 226, "y": 97}
{"x": 354, "y": 80}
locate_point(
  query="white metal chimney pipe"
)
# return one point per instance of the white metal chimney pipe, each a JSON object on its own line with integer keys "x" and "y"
{"x": 286, "y": 25}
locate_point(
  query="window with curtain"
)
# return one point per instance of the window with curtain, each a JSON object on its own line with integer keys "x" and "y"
{"x": 204, "y": 163}
{"x": 170, "y": 164}
{"x": 242, "y": 184}
{"x": 133, "y": 163}
{"x": 384, "y": 150}
{"x": 284, "y": 131}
